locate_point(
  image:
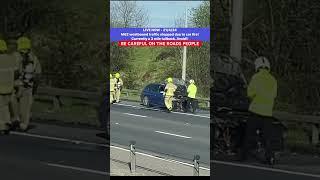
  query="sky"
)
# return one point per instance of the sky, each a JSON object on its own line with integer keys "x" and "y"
{"x": 163, "y": 13}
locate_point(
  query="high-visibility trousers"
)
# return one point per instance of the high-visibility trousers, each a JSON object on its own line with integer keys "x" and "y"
{"x": 112, "y": 94}
{"x": 4, "y": 112}
{"x": 25, "y": 105}
{"x": 117, "y": 95}
{"x": 168, "y": 102}
{"x": 14, "y": 108}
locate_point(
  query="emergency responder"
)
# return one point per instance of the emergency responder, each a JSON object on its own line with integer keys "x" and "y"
{"x": 192, "y": 91}
{"x": 118, "y": 87}
{"x": 112, "y": 88}
{"x": 262, "y": 91}
{"x": 29, "y": 71}
{"x": 7, "y": 69}
{"x": 169, "y": 93}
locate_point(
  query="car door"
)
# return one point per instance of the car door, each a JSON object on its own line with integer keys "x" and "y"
{"x": 159, "y": 95}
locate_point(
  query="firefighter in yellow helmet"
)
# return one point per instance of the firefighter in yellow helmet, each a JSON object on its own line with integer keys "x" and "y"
{"x": 262, "y": 90}
{"x": 7, "y": 69}
{"x": 192, "y": 91}
{"x": 112, "y": 88}
{"x": 118, "y": 87}
{"x": 169, "y": 93}
{"x": 29, "y": 72}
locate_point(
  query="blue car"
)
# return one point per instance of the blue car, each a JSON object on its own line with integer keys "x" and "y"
{"x": 153, "y": 95}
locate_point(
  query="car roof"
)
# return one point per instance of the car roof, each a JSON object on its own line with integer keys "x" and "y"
{"x": 152, "y": 84}
{"x": 227, "y": 65}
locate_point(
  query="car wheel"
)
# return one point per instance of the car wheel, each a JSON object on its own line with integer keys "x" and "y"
{"x": 145, "y": 101}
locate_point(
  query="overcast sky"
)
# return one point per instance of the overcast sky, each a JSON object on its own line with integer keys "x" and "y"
{"x": 164, "y": 13}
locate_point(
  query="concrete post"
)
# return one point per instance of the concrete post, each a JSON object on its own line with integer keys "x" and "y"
{"x": 196, "y": 167}
{"x": 132, "y": 157}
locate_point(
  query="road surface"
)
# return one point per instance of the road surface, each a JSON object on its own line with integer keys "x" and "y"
{"x": 230, "y": 171}
{"x": 172, "y": 135}
{"x": 38, "y": 155}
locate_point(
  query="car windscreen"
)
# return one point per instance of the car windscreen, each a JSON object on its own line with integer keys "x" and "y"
{"x": 154, "y": 88}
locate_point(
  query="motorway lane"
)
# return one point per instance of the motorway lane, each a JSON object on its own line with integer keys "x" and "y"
{"x": 33, "y": 158}
{"x": 175, "y": 135}
{"x": 221, "y": 171}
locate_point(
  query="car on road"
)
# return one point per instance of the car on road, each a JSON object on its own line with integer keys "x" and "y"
{"x": 152, "y": 95}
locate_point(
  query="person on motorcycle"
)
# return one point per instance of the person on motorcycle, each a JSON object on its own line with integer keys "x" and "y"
{"x": 262, "y": 91}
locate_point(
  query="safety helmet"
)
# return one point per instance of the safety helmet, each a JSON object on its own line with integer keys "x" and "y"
{"x": 23, "y": 43}
{"x": 3, "y": 45}
{"x": 169, "y": 80}
{"x": 191, "y": 81}
{"x": 262, "y": 62}
{"x": 117, "y": 75}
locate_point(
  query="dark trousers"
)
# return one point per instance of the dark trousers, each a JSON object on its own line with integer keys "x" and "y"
{"x": 191, "y": 104}
{"x": 262, "y": 123}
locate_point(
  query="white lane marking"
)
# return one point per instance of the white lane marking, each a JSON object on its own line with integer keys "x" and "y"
{"x": 177, "y": 135}
{"x": 137, "y": 115}
{"x": 196, "y": 115}
{"x": 102, "y": 145}
{"x": 59, "y": 139}
{"x": 117, "y": 123}
{"x": 155, "y": 157}
{"x": 266, "y": 169}
{"x": 78, "y": 169}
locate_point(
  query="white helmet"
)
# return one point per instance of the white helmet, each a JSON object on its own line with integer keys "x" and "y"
{"x": 262, "y": 62}
{"x": 191, "y": 81}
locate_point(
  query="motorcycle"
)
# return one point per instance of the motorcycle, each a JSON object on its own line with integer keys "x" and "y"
{"x": 229, "y": 127}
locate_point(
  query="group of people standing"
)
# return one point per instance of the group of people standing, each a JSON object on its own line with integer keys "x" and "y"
{"x": 19, "y": 72}
{"x": 116, "y": 85}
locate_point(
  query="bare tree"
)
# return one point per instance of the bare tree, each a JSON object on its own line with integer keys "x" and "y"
{"x": 128, "y": 14}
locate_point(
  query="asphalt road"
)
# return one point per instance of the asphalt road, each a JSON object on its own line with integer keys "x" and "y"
{"x": 231, "y": 171}
{"x": 37, "y": 157}
{"x": 173, "y": 135}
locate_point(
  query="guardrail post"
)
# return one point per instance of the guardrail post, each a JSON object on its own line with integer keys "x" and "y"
{"x": 315, "y": 134}
{"x": 196, "y": 167}
{"x": 132, "y": 156}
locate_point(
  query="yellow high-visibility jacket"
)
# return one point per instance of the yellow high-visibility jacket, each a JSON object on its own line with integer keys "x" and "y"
{"x": 170, "y": 89}
{"x": 192, "y": 91}
{"x": 112, "y": 84}
{"x": 262, "y": 90}
{"x": 7, "y": 68}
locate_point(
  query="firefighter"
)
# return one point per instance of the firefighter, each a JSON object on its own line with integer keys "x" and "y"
{"x": 29, "y": 71}
{"x": 169, "y": 93}
{"x": 118, "y": 87}
{"x": 7, "y": 69}
{"x": 112, "y": 88}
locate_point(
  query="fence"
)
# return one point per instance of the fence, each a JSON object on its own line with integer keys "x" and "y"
{"x": 133, "y": 161}
{"x": 55, "y": 96}
{"x": 313, "y": 122}
{"x": 135, "y": 93}
{"x": 93, "y": 99}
